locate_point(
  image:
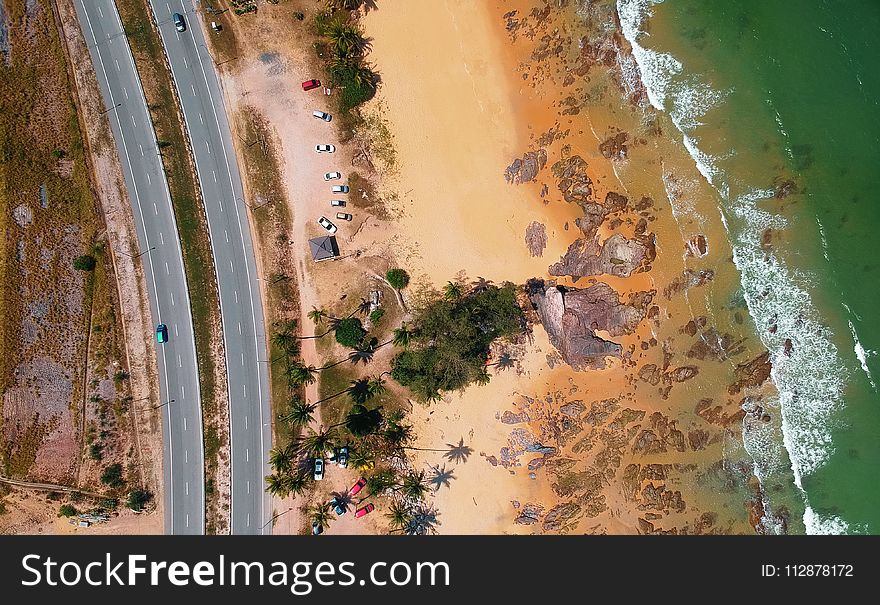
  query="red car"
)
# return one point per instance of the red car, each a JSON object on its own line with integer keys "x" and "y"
{"x": 364, "y": 510}
{"x": 310, "y": 84}
{"x": 357, "y": 486}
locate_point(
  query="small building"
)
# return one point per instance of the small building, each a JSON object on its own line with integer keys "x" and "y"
{"x": 323, "y": 248}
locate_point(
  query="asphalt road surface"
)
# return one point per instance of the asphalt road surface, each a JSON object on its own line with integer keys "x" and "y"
{"x": 161, "y": 256}
{"x": 241, "y": 308}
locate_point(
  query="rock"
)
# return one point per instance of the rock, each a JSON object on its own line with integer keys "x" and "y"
{"x": 561, "y": 516}
{"x": 616, "y": 256}
{"x": 536, "y": 238}
{"x": 526, "y": 169}
{"x": 509, "y": 417}
{"x": 574, "y": 183}
{"x": 687, "y": 280}
{"x": 684, "y": 373}
{"x": 784, "y": 188}
{"x": 572, "y": 409}
{"x": 615, "y": 202}
{"x": 571, "y": 317}
{"x": 697, "y": 246}
{"x": 614, "y": 147}
{"x": 752, "y": 373}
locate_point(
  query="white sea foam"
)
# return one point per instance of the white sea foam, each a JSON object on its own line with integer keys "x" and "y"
{"x": 862, "y": 354}
{"x": 824, "y": 526}
{"x": 806, "y": 367}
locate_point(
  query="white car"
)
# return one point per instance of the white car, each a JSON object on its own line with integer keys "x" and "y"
{"x": 330, "y": 227}
{"x": 319, "y": 469}
{"x": 325, "y": 148}
{"x": 337, "y": 203}
{"x": 343, "y": 216}
{"x": 322, "y": 116}
{"x": 330, "y": 176}
{"x": 339, "y": 189}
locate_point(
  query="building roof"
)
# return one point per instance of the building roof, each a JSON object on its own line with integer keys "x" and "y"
{"x": 323, "y": 248}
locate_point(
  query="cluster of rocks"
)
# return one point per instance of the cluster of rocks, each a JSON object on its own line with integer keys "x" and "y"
{"x": 526, "y": 169}
{"x": 536, "y": 238}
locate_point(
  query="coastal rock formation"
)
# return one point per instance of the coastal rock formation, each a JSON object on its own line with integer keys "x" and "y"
{"x": 572, "y": 316}
{"x": 575, "y": 185}
{"x": 697, "y": 246}
{"x": 526, "y": 169}
{"x": 536, "y": 238}
{"x": 614, "y": 146}
{"x": 752, "y": 373}
{"x": 618, "y": 256}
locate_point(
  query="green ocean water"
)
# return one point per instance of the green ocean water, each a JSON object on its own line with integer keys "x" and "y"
{"x": 768, "y": 92}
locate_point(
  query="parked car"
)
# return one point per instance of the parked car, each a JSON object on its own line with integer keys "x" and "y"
{"x": 317, "y": 530}
{"x": 330, "y": 227}
{"x": 311, "y": 84}
{"x": 342, "y": 457}
{"x": 343, "y": 216}
{"x": 319, "y": 469}
{"x": 337, "y": 203}
{"x": 322, "y": 116}
{"x": 358, "y": 486}
{"x": 179, "y": 23}
{"x": 162, "y": 333}
{"x": 339, "y": 189}
{"x": 364, "y": 510}
{"x": 338, "y": 506}
{"x": 325, "y": 148}
{"x": 331, "y": 176}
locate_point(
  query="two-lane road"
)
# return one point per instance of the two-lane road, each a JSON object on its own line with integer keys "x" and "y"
{"x": 240, "y": 303}
{"x": 162, "y": 262}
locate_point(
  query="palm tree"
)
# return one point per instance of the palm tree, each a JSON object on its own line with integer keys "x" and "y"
{"x": 379, "y": 482}
{"x": 284, "y": 341}
{"x": 364, "y": 76}
{"x": 299, "y": 374}
{"x": 276, "y": 485}
{"x": 345, "y": 39}
{"x": 359, "y": 457}
{"x": 296, "y": 483}
{"x": 423, "y": 521}
{"x": 363, "y": 353}
{"x": 364, "y": 307}
{"x": 300, "y": 414}
{"x": 315, "y": 444}
{"x": 318, "y": 316}
{"x": 413, "y": 485}
{"x": 402, "y": 336}
{"x": 481, "y": 284}
{"x": 280, "y": 459}
{"x": 320, "y": 514}
{"x": 482, "y": 378}
{"x": 397, "y": 434}
{"x": 360, "y": 421}
{"x": 452, "y": 291}
{"x": 398, "y": 516}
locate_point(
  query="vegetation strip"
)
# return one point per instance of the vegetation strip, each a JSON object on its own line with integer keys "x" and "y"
{"x": 149, "y": 58}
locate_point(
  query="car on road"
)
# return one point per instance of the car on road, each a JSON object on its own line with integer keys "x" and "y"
{"x": 339, "y": 189}
{"x": 330, "y": 227}
{"x": 358, "y": 486}
{"x": 179, "y": 23}
{"x": 322, "y": 116}
{"x": 338, "y": 506}
{"x": 343, "y": 216}
{"x": 162, "y": 333}
{"x": 331, "y": 176}
{"x": 364, "y": 510}
{"x": 342, "y": 457}
{"x": 325, "y": 148}
{"x": 311, "y": 84}
{"x": 319, "y": 469}
{"x": 337, "y": 203}
{"x": 317, "y": 530}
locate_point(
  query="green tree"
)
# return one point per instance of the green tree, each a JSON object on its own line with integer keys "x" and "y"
{"x": 276, "y": 484}
{"x": 363, "y": 352}
{"x": 414, "y": 485}
{"x": 320, "y": 514}
{"x": 138, "y": 498}
{"x": 316, "y": 444}
{"x": 299, "y": 374}
{"x": 361, "y": 421}
{"x": 402, "y": 336}
{"x": 379, "y": 482}
{"x": 280, "y": 459}
{"x": 299, "y": 413}
{"x": 85, "y": 262}
{"x": 398, "y": 516}
{"x": 67, "y": 510}
{"x": 452, "y": 291}
{"x": 350, "y": 332}
{"x": 112, "y": 476}
{"x": 398, "y": 278}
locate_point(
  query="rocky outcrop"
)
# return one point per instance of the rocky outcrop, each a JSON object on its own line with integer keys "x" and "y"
{"x": 526, "y": 169}
{"x": 614, "y": 147}
{"x": 575, "y": 185}
{"x": 752, "y": 373}
{"x": 618, "y": 256}
{"x": 572, "y": 317}
{"x": 536, "y": 238}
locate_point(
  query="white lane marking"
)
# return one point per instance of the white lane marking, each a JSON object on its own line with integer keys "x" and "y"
{"x": 249, "y": 487}
{"x": 141, "y": 147}
{"x": 117, "y": 64}
{"x": 231, "y": 267}
{"x": 183, "y": 396}
{"x": 187, "y": 488}
{"x": 248, "y": 519}
{"x": 125, "y": 92}
{"x": 185, "y": 64}
{"x": 226, "y": 234}
{"x": 239, "y": 327}
{"x": 172, "y": 304}
{"x": 133, "y": 123}
{"x": 184, "y": 424}
{"x": 214, "y": 174}
{"x": 187, "y": 519}
{"x": 186, "y": 456}
{"x": 236, "y": 296}
{"x": 247, "y": 454}
{"x": 208, "y": 147}
{"x": 168, "y": 6}
{"x": 244, "y": 391}
{"x": 155, "y": 209}
{"x": 167, "y": 271}
{"x": 193, "y": 89}
{"x": 242, "y": 359}
{"x": 149, "y": 179}
{"x": 175, "y": 329}
{"x": 220, "y": 203}
{"x": 201, "y": 121}
{"x": 161, "y": 238}
{"x": 245, "y": 422}
{"x": 177, "y": 34}
{"x": 100, "y": 12}
{"x": 179, "y": 362}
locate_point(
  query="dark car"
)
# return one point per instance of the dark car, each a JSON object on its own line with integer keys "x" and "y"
{"x": 338, "y": 506}
{"x": 365, "y": 510}
{"x": 311, "y": 84}
{"x": 179, "y": 23}
{"x": 162, "y": 334}
{"x": 342, "y": 457}
{"x": 317, "y": 529}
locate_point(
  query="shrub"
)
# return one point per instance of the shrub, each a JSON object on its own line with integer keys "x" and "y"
{"x": 86, "y": 262}
{"x": 58, "y": 154}
{"x": 112, "y": 476}
{"x": 376, "y": 315}
{"x": 398, "y": 278}
{"x": 67, "y": 510}
{"x": 138, "y": 499}
{"x": 350, "y": 332}
{"x": 96, "y": 451}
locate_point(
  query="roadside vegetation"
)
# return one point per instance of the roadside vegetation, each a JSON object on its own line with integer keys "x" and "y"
{"x": 192, "y": 228}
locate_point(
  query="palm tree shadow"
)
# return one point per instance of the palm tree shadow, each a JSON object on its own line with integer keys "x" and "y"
{"x": 440, "y": 477}
{"x": 343, "y": 498}
{"x": 458, "y": 453}
{"x": 423, "y": 521}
